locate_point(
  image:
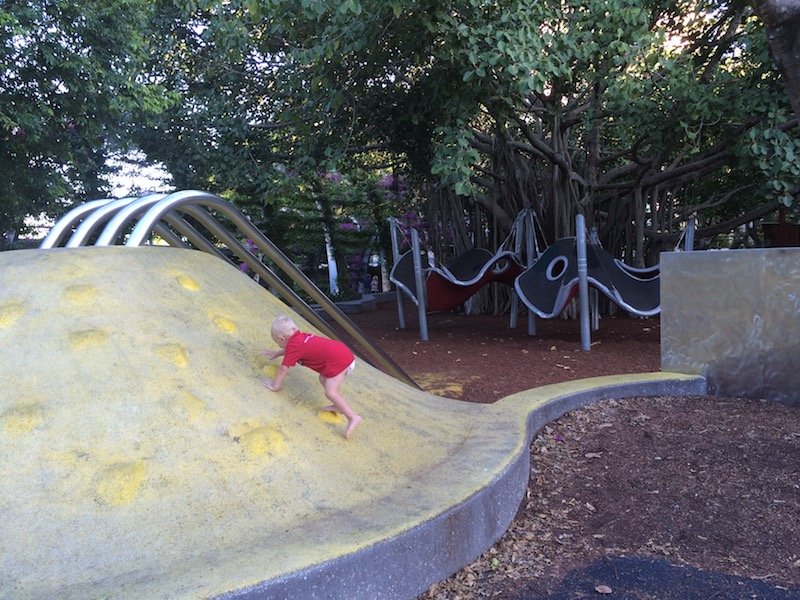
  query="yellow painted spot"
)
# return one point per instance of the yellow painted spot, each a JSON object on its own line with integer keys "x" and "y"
{"x": 440, "y": 385}
{"x": 22, "y": 418}
{"x": 191, "y": 406}
{"x": 330, "y": 417}
{"x": 174, "y": 353}
{"x": 118, "y": 484}
{"x": 10, "y": 312}
{"x": 225, "y": 325}
{"x": 263, "y": 440}
{"x": 187, "y": 282}
{"x": 86, "y": 338}
{"x": 270, "y": 370}
{"x": 81, "y": 294}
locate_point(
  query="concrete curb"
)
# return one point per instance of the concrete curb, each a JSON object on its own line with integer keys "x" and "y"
{"x": 405, "y": 565}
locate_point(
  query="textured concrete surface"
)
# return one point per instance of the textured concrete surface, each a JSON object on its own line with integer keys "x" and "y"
{"x": 141, "y": 456}
{"x": 732, "y": 316}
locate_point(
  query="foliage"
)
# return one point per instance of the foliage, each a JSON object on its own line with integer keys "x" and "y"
{"x": 636, "y": 113}
{"x": 614, "y": 108}
{"x": 776, "y": 154}
{"x": 307, "y": 211}
{"x": 782, "y": 21}
{"x": 71, "y": 74}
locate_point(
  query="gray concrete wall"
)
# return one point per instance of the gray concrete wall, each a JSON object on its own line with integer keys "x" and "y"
{"x": 732, "y": 316}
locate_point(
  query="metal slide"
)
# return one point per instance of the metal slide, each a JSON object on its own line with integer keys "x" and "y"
{"x": 108, "y": 222}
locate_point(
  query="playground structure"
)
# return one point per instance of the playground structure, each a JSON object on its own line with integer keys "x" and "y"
{"x": 105, "y": 222}
{"x": 435, "y": 288}
{"x": 552, "y": 282}
{"x": 546, "y": 283}
{"x": 148, "y": 463}
{"x": 571, "y": 265}
{"x": 549, "y": 285}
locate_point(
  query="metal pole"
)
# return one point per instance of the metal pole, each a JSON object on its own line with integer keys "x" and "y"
{"x": 264, "y": 272}
{"x": 123, "y": 217}
{"x": 689, "y": 240}
{"x": 84, "y": 231}
{"x": 583, "y": 283}
{"x": 419, "y": 279}
{"x": 518, "y": 230}
{"x": 401, "y": 314}
{"x": 531, "y": 257}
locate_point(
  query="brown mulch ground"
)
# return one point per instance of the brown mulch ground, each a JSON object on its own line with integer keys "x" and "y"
{"x": 644, "y": 498}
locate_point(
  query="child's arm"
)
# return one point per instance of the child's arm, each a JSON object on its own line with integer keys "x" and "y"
{"x": 273, "y": 353}
{"x": 275, "y": 384}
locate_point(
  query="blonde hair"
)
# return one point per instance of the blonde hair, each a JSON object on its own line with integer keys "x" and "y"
{"x": 283, "y": 327}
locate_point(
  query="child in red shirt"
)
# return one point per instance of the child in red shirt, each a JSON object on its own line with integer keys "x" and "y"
{"x": 330, "y": 358}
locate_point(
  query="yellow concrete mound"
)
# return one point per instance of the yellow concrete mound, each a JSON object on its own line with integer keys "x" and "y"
{"x": 141, "y": 456}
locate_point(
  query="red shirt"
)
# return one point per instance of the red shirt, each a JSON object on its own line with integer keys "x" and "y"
{"x": 326, "y": 357}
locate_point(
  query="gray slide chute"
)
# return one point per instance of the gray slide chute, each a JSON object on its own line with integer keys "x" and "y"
{"x": 548, "y": 286}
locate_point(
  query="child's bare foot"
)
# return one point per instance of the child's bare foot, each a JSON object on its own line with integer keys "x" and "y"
{"x": 351, "y": 425}
{"x": 331, "y": 408}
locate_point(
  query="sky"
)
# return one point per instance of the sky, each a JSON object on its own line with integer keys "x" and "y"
{"x": 134, "y": 176}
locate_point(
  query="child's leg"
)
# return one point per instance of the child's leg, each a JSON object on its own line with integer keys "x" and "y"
{"x": 331, "y": 386}
{"x": 331, "y": 407}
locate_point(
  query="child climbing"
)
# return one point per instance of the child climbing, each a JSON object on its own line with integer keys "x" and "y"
{"x": 332, "y": 359}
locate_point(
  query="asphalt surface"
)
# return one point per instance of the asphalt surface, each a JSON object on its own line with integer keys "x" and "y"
{"x": 632, "y": 578}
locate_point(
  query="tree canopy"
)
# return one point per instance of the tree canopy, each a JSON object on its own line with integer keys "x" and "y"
{"x": 635, "y": 113}
{"x": 70, "y": 76}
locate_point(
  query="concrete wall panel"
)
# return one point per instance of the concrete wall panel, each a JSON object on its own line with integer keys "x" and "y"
{"x": 732, "y": 316}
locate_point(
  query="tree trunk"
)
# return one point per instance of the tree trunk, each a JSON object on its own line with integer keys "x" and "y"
{"x": 782, "y": 20}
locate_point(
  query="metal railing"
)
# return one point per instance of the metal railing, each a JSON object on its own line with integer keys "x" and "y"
{"x": 107, "y": 222}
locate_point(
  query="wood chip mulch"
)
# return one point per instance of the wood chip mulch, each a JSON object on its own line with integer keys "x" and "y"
{"x": 711, "y": 483}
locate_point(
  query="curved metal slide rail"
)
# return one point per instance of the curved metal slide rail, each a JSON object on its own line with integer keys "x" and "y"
{"x": 78, "y": 226}
{"x": 160, "y": 214}
{"x": 64, "y": 225}
{"x": 118, "y": 214}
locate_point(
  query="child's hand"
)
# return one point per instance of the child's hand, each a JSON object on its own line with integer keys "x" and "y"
{"x": 268, "y": 383}
{"x": 270, "y": 353}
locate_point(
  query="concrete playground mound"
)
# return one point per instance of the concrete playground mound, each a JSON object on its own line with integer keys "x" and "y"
{"x": 143, "y": 458}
